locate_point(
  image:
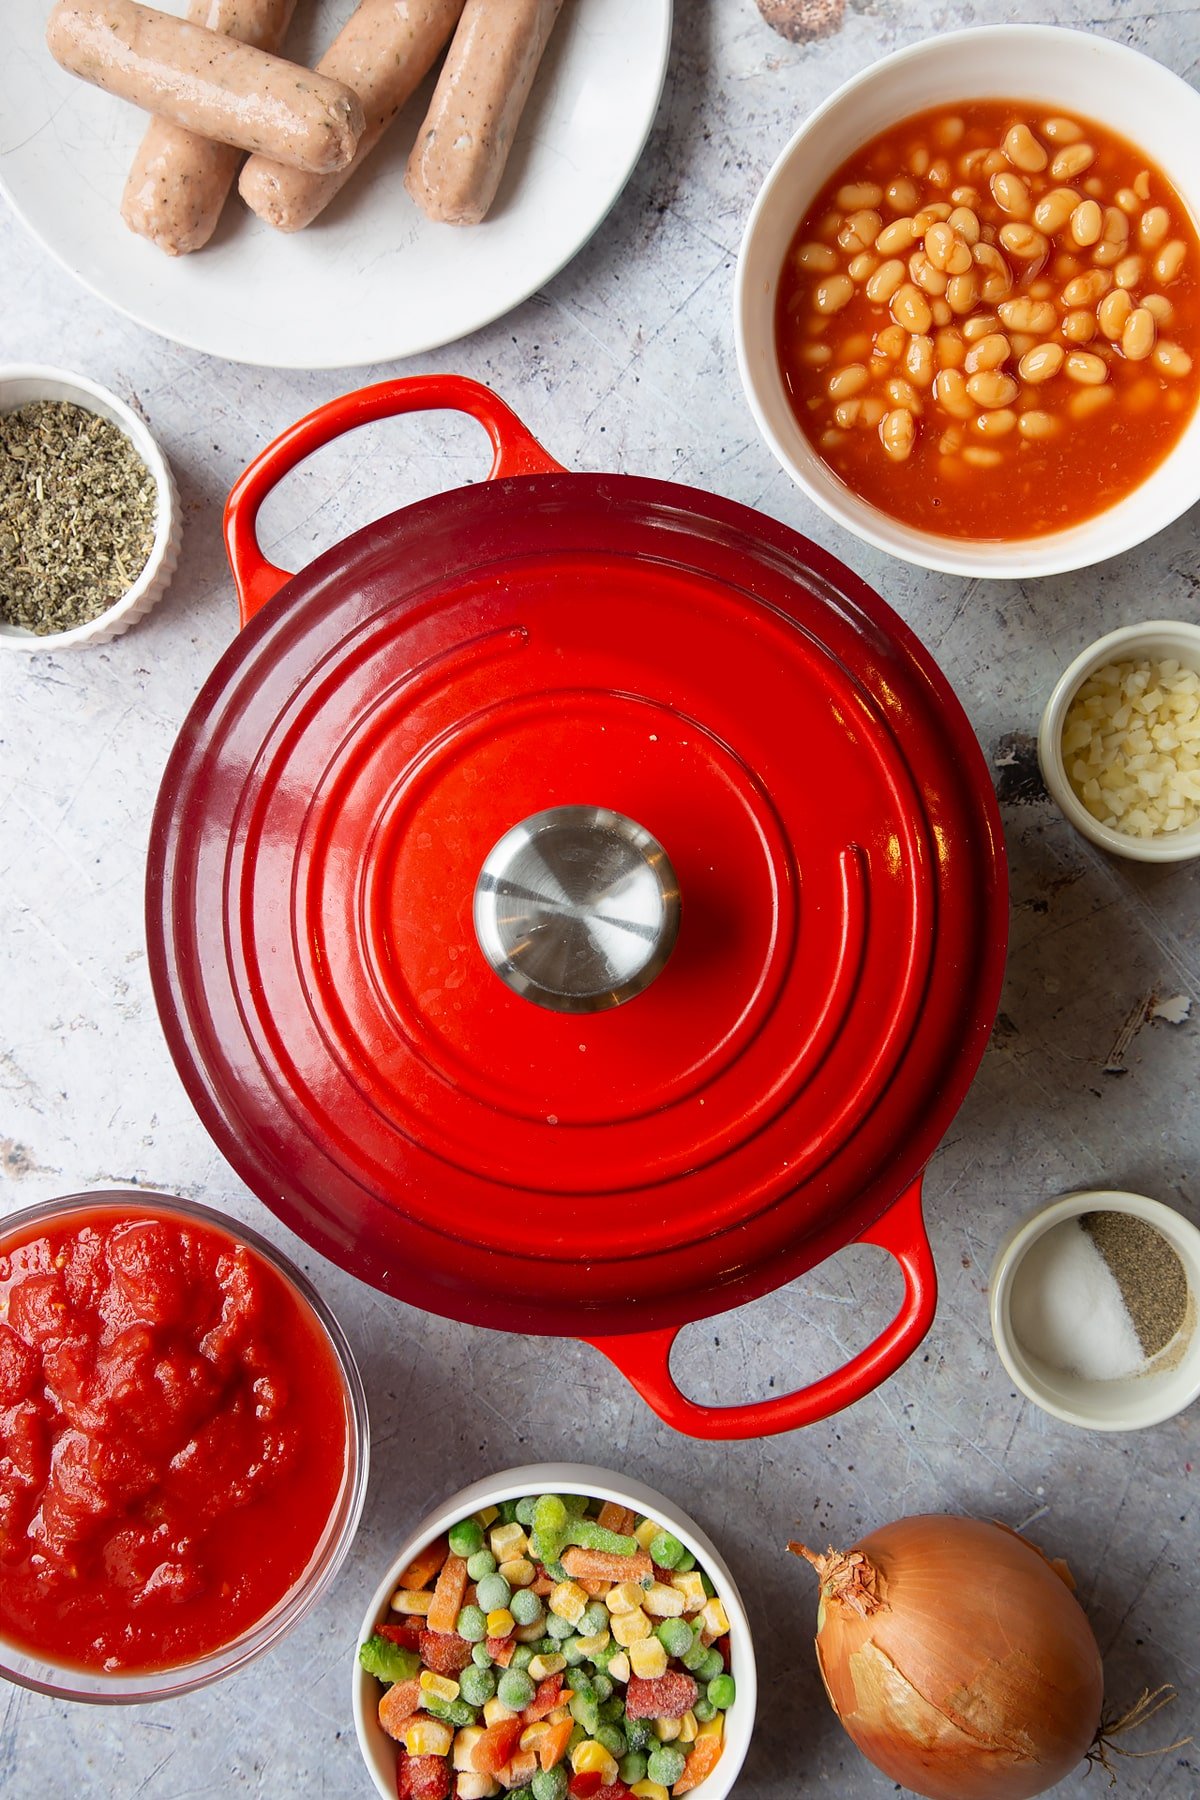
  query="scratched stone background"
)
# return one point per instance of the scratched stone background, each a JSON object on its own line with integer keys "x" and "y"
{"x": 626, "y": 362}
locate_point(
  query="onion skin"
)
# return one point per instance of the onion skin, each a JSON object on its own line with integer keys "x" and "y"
{"x": 957, "y": 1659}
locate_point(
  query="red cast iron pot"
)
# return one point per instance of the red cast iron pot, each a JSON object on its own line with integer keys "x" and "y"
{"x": 544, "y": 639}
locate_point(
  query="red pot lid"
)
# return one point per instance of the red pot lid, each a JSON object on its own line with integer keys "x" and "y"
{"x": 542, "y": 642}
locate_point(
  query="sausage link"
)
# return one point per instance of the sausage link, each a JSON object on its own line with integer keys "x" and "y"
{"x": 383, "y": 52}
{"x": 179, "y": 183}
{"x": 208, "y": 82}
{"x": 463, "y": 145}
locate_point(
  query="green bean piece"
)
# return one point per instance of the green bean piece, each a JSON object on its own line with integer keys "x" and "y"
{"x": 577, "y": 1504}
{"x": 675, "y": 1636}
{"x": 550, "y": 1784}
{"x": 451, "y": 1712}
{"x": 481, "y": 1564}
{"x": 722, "y": 1691}
{"x": 466, "y": 1537}
{"x": 476, "y": 1685}
{"x": 493, "y": 1592}
{"x": 550, "y": 1520}
{"x": 525, "y": 1606}
{"x": 665, "y": 1549}
{"x": 665, "y": 1765}
{"x": 590, "y": 1536}
{"x": 632, "y": 1767}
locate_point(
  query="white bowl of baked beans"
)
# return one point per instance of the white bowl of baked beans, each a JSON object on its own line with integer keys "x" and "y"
{"x": 1119, "y": 741}
{"x": 967, "y": 303}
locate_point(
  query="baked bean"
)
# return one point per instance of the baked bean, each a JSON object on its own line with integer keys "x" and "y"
{"x": 1128, "y": 271}
{"x": 1021, "y": 342}
{"x": 1037, "y": 424}
{"x": 1094, "y": 187}
{"x": 1170, "y": 260}
{"x": 1128, "y": 201}
{"x": 991, "y": 389}
{"x": 1112, "y": 313}
{"x": 1054, "y": 209}
{"x": 988, "y": 352}
{"x": 950, "y": 392}
{"x": 884, "y": 282}
{"x": 818, "y": 259}
{"x": 1027, "y": 314}
{"x": 902, "y": 195}
{"x": 854, "y": 348}
{"x": 1140, "y": 397}
{"x": 972, "y": 163}
{"x": 833, "y": 293}
{"x": 994, "y": 162}
{"x": 940, "y": 311}
{"x": 1087, "y": 222}
{"x": 857, "y": 194}
{"x": 1061, "y": 131}
{"x": 898, "y": 434}
{"x": 981, "y": 458}
{"x": 861, "y": 268}
{"x": 1023, "y": 150}
{"x": 871, "y": 410}
{"x": 978, "y": 326}
{"x": 1153, "y": 227}
{"x": 831, "y": 439}
{"x": 1041, "y": 289}
{"x": 1139, "y": 334}
{"x": 927, "y": 278}
{"x": 940, "y": 173}
{"x": 1172, "y": 359}
{"x": 1113, "y": 237}
{"x": 962, "y": 292}
{"x": 1025, "y": 242}
{"x": 910, "y": 308}
{"x": 859, "y": 231}
{"x": 965, "y": 222}
{"x": 1085, "y": 290}
{"x": 1159, "y": 305}
{"x": 949, "y": 350}
{"x": 846, "y": 412}
{"x": 919, "y": 160}
{"x": 1141, "y": 185}
{"x": 1011, "y": 194}
{"x": 1072, "y": 161}
{"x": 950, "y": 442}
{"x": 1079, "y": 327}
{"x": 892, "y": 341}
{"x": 846, "y": 381}
{"x": 1041, "y": 363}
{"x": 815, "y": 356}
{"x": 965, "y": 197}
{"x": 901, "y": 234}
{"x": 948, "y": 132}
{"x": 902, "y": 393}
{"x": 1089, "y": 400}
{"x": 996, "y": 424}
{"x": 1086, "y": 368}
{"x": 932, "y": 214}
{"x": 918, "y": 360}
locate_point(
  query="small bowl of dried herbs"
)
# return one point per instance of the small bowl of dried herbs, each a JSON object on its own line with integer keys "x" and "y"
{"x": 89, "y": 514}
{"x": 1094, "y": 1308}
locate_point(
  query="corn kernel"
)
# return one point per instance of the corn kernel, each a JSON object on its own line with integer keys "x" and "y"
{"x": 648, "y": 1658}
{"x": 715, "y": 1618}
{"x": 692, "y": 1589}
{"x": 518, "y": 1572}
{"x": 486, "y": 1515}
{"x": 712, "y": 1727}
{"x": 624, "y": 1597}
{"x": 666, "y": 1730}
{"x": 650, "y": 1790}
{"x": 428, "y": 1737}
{"x": 663, "y": 1601}
{"x": 412, "y": 1600}
{"x": 439, "y": 1685}
{"x": 627, "y": 1628}
{"x": 646, "y": 1532}
{"x": 569, "y": 1601}
{"x": 464, "y": 1746}
{"x": 508, "y": 1542}
{"x": 542, "y": 1666}
{"x": 560, "y": 1712}
{"x": 471, "y": 1785}
{"x": 592, "y": 1646}
{"x": 500, "y": 1622}
{"x": 688, "y": 1727}
{"x": 589, "y": 1756}
{"x": 618, "y": 1667}
{"x": 495, "y": 1712}
{"x": 532, "y": 1734}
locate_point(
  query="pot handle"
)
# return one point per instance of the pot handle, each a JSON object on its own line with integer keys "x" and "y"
{"x": 644, "y": 1357}
{"x": 515, "y": 451}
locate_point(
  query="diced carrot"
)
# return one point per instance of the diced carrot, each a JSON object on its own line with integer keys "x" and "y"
{"x": 497, "y": 1745}
{"x": 448, "y": 1595}
{"x": 703, "y": 1758}
{"x": 594, "y": 1589}
{"x": 547, "y": 1697}
{"x": 501, "y": 1650}
{"x": 618, "y": 1518}
{"x": 543, "y": 1585}
{"x": 552, "y": 1746}
{"x": 425, "y": 1564}
{"x": 399, "y": 1704}
{"x": 601, "y": 1565}
{"x": 518, "y": 1770}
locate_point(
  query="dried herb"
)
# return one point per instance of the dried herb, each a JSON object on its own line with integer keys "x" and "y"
{"x": 77, "y": 511}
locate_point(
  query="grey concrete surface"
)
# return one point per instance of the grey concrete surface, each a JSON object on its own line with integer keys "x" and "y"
{"x": 625, "y": 362}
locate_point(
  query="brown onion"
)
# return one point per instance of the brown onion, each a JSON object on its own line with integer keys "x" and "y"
{"x": 957, "y": 1658}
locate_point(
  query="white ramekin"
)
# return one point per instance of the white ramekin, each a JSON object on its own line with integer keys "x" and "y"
{"x": 20, "y": 385}
{"x": 379, "y": 1751}
{"x": 1125, "y": 1405}
{"x": 1072, "y": 71}
{"x": 1132, "y": 643}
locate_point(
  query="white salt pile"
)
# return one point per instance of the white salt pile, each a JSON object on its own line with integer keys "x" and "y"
{"x": 1067, "y": 1308}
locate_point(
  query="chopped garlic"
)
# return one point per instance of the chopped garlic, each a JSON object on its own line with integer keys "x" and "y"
{"x": 1131, "y": 746}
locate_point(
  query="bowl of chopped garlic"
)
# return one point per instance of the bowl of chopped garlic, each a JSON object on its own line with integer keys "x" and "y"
{"x": 445, "y": 1705}
{"x": 1119, "y": 742}
{"x": 89, "y": 514}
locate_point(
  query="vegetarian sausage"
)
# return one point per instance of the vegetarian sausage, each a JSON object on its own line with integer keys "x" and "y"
{"x": 459, "y": 156}
{"x": 208, "y": 82}
{"x": 179, "y": 182}
{"x": 383, "y": 51}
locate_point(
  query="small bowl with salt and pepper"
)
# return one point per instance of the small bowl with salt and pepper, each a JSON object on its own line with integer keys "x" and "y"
{"x": 1095, "y": 1308}
{"x": 89, "y": 514}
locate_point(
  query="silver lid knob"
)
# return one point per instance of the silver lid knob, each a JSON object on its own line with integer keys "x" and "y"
{"x": 577, "y": 908}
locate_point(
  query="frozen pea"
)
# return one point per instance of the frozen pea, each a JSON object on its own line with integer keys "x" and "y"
{"x": 576, "y": 1504}
{"x": 547, "y": 1646}
{"x": 675, "y": 1636}
{"x": 686, "y": 1563}
{"x": 472, "y": 1624}
{"x": 481, "y": 1656}
{"x": 602, "y": 1686}
{"x": 481, "y": 1564}
{"x": 514, "y": 1689}
{"x": 550, "y": 1784}
{"x": 559, "y": 1628}
{"x": 572, "y": 1649}
{"x": 522, "y": 1656}
{"x": 612, "y": 1711}
{"x": 585, "y": 1712}
{"x": 508, "y": 1512}
{"x": 525, "y": 1508}
{"x": 632, "y": 1767}
{"x": 612, "y": 1738}
{"x": 665, "y": 1765}
{"x": 493, "y": 1592}
{"x": 476, "y": 1685}
{"x": 595, "y": 1619}
{"x": 707, "y": 1585}
{"x": 525, "y": 1606}
{"x": 638, "y": 1734}
{"x": 521, "y": 1793}
{"x": 665, "y": 1549}
{"x": 694, "y": 1658}
{"x": 466, "y": 1537}
{"x": 712, "y": 1666}
{"x": 722, "y": 1691}
{"x": 703, "y": 1710}
{"x": 578, "y": 1734}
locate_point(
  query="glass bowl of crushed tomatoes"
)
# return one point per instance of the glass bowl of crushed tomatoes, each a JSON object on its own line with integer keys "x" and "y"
{"x": 561, "y": 1630}
{"x": 183, "y": 1446}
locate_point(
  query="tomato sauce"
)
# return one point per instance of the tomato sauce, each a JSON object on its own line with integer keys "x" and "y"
{"x": 173, "y": 1439}
{"x": 1068, "y": 430}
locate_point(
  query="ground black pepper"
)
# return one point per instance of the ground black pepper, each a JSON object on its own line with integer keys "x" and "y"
{"x": 1151, "y": 1277}
{"x": 77, "y": 513}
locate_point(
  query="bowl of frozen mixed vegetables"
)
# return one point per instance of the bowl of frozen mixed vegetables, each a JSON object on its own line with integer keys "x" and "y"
{"x": 555, "y": 1633}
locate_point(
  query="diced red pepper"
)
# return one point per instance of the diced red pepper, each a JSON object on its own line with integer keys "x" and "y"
{"x": 496, "y": 1746}
{"x": 616, "y": 1790}
{"x": 501, "y": 1650}
{"x": 664, "y": 1697}
{"x": 726, "y": 1649}
{"x": 444, "y": 1652}
{"x": 422, "y": 1778}
{"x": 586, "y": 1785}
{"x": 544, "y": 1700}
{"x": 407, "y": 1636}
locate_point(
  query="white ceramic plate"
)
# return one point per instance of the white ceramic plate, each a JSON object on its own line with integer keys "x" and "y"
{"x": 372, "y": 279}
